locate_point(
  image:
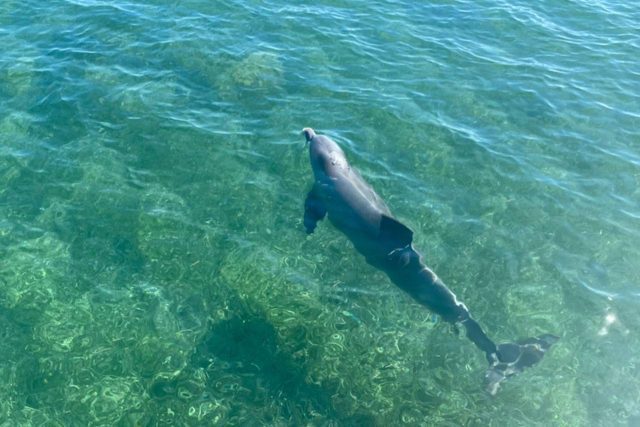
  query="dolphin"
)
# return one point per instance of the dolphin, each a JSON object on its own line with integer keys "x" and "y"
{"x": 355, "y": 209}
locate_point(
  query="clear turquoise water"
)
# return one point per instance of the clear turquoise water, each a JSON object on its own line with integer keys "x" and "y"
{"x": 153, "y": 265}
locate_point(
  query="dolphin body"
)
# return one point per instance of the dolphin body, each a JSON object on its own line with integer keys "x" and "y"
{"x": 354, "y": 208}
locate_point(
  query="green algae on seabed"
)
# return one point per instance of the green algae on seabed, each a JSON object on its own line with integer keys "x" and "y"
{"x": 266, "y": 337}
{"x": 95, "y": 351}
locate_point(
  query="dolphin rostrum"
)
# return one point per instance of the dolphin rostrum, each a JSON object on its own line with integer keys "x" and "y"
{"x": 354, "y": 208}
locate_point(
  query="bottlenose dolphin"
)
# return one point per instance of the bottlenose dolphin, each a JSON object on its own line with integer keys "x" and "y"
{"x": 354, "y": 208}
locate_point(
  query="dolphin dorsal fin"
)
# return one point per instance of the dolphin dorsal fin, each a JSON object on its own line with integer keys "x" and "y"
{"x": 393, "y": 230}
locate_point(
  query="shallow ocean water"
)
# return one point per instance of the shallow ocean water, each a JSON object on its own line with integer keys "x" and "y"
{"x": 154, "y": 269}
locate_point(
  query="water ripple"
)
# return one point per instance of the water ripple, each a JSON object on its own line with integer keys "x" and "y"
{"x": 152, "y": 174}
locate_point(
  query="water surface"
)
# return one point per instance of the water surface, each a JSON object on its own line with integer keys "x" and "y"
{"x": 153, "y": 264}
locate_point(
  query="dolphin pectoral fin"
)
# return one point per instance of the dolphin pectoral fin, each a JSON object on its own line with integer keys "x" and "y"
{"x": 395, "y": 232}
{"x": 513, "y": 358}
{"x": 314, "y": 211}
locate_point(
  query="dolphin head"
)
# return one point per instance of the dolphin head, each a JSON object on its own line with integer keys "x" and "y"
{"x": 327, "y": 158}
{"x": 308, "y": 134}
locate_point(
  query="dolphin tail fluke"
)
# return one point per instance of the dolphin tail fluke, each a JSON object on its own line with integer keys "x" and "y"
{"x": 513, "y": 358}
